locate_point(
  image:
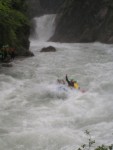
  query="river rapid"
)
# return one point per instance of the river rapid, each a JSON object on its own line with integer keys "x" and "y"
{"x": 34, "y": 115}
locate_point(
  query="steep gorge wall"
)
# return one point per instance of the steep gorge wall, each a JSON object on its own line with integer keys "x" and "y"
{"x": 78, "y": 20}
{"x": 85, "y": 21}
{"x": 51, "y": 6}
{"x": 34, "y": 8}
{"x": 40, "y": 7}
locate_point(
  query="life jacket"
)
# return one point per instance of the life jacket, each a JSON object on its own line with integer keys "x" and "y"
{"x": 76, "y": 86}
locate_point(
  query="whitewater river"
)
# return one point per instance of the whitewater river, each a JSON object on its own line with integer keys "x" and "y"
{"x": 35, "y": 115}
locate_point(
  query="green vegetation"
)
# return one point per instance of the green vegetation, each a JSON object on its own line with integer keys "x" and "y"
{"x": 14, "y": 24}
{"x": 90, "y": 144}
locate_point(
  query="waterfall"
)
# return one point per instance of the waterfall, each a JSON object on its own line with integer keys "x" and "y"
{"x": 44, "y": 28}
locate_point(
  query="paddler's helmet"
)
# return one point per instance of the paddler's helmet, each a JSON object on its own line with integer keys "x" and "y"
{"x": 72, "y": 80}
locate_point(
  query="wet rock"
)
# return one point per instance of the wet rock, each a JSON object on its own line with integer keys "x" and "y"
{"x": 48, "y": 49}
{"x": 7, "y": 65}
{"x": 29, "y": 54}
{"x": 110, "y": 41}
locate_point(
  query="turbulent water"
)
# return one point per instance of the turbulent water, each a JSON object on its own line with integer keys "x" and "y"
{"x": 35, "y": 115}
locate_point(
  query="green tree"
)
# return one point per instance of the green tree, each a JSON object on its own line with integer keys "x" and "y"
{"x": 12, "y": 20}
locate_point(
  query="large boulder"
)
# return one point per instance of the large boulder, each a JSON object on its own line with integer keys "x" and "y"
{"x": 28, "y": 54}
{"x": 48, "y": 49}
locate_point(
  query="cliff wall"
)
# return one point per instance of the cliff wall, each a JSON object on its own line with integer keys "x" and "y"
{"x": 41, "y": 7}
{"x": 85, "y": 21}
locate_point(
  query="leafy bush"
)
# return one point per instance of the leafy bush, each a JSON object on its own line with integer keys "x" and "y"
{"x": 12, "y": 19}
{"x": 91, "y": 142}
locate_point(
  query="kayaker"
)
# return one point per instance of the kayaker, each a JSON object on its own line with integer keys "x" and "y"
{"x": 72, "y": 83}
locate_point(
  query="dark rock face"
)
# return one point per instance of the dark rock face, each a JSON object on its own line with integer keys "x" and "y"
{"x": 48, "y": 49}
{"x": 85, "y": 21}
{"x": 41, "y": 7}
{"x": 51, "y": 6}
{"x": 23, "y": 35}
{"x": 34, "y": 8}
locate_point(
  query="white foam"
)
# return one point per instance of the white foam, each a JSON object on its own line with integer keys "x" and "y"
{"x": 34, "y": 115}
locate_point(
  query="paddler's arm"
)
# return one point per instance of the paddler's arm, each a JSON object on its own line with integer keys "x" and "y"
{"x": 67, "y": 80}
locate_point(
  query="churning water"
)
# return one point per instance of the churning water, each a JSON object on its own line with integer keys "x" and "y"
{"x": 34, "y": 115}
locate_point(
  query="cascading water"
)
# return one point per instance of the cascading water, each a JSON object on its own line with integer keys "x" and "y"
{"x": 35, "y": 116}
{"x": 44, "y": 27}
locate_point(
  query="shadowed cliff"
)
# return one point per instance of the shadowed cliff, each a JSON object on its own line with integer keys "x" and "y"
{"x": 85, "y": 21}
{"x": 41, "y": 7}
